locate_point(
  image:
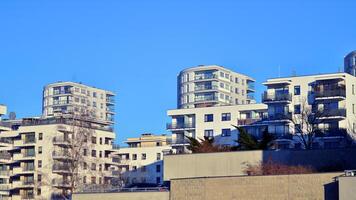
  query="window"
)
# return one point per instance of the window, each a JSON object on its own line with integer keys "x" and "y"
{"x": 237, "y": 90}
{"x": 209, "y": 118}
{"x": 93, "y": 153}
{"x": 93, "y": 180}
{"x": 158, "y": 156}
{"x": 297, "y": 90}
{"x": 93, "y": 140}
{"x": 221, "y": 74}
{"x": 242, "y": 92}
{"x": 134, "y": 168}
{"x": 85, "y": 152}
{"x": 94, "y": 104}
{"x": 297, "y": 128}
{"x": 222, "y": 85}
{"x": 76, "y": 99}
{"x": 39, "y": 150}
{"x": 225, "y": 116}
{"x": 100, "y": 154}
{"x": 225, "y": 132}
{"x": 76, "y": 89}
{"x": 134, "y": 156}
{"x": 209, "y": 133}
{"x": 100, "y": 167}
{"x": 143, "y": 156}
{"x": 93, "y": 166}
{"x": 39, "y": 191}
{"x": 39, "y": 163}
{"x": 158, "y": 168}
{"x": 158, "y": 144}
{"x": 353, "y": 89}
{"x": 101, "y": 105}
{"x": 39, "y": 178}
{"x": 158, "y": 180}
{"x": 100, "y": 140}
{"x": 236, "y": 80}
{"x": 40, "y": 136}
{"x": 296, "y": 109}
{"x": 85, "y": 166}
{"x": 236, "y": 101}
{"x": 83, "y": 101}
{"x": 353, "y": 108}
{"x": 84, "y": 179}
{"x": 222, "y": 96}
{"x": 94, "y": 94}
{"x": 227, "y": 76}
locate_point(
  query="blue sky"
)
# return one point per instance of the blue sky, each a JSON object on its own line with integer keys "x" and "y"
{"x": 136, "y": 48}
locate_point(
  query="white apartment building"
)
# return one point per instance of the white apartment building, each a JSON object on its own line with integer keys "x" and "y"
{"x": 212, "y": 85}
{"x": 350, "y": 63}
{"x": 333, "y": 93}
{"x": 34, "y": 156}
{"x": 63, "y": 98}
{"x": 142, "y": 161}
{"x": 214, "y": 122}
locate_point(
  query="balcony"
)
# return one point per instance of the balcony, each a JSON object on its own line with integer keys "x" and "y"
{"x": 61, "y": 155}
{"x": 59, "y": 183}
{"x": 339, "y": 93}
{"x": 5, "y": 186}
{"x": 205, "y": 77}
{"x": 246, "y": 122}
{"x": 61, "y": 141}
{"x": 276, "y": 98}
{"x": 205, "y": 87}
{"x": 61, "y": 92}
{"x": 4, "y": 172}
{"x": 333, "y": 114}
{"x": 204, "y": 99}
{"x": 179, "y": 126}
{"x": 61, "y": 168}
{"x": 63, "y": 102}
{"x": 110, "y": 100}
{"x": 279, "y": 117}
{"x": 180, "y": 142}
{"x": 251, "y": 86}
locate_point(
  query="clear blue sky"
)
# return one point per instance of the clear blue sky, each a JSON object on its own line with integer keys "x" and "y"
{"x": 136, "y": 48}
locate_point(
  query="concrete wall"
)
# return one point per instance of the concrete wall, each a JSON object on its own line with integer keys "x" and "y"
{"x": 307, "y": 186}
{"x": 347, "y": 187}
{"x": 123, "y": 196}
{"x": 234, "y": 163}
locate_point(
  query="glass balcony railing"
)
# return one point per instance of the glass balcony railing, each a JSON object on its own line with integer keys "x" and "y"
{"x": 205, "y": 77}
{"x": 208, "y": 98}
{"x": 276, "y": 97}
{"x": 206, "y": 87}
{"x": 171, "y": 126}
{"x": 341, "y": 92}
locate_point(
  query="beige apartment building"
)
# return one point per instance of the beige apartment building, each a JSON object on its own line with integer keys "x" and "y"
{"x": 213, "y": 85}
{"x": 36, "y": 156}
{"x": 215, "y": 122}
{"x": 63, "y": 98}
{"x": 142, "y": 161}
{"x": 333, "y": 93}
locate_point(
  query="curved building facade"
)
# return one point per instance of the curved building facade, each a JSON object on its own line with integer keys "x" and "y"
{"x": 213, "y": 85}
{"x": 350, "y": 63}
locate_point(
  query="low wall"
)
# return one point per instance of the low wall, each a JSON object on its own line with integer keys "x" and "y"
{"x": 285, "y": 187}
{"x": 122, "y": 196}
{"x": 234, "y": 163}
{"x": 347, "y": 187}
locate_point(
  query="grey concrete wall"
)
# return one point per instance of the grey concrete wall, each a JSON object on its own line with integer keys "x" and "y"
{"x": 286, "y": 187}
{"x": 347, "y": 188}
{"x": 123, "y": 196}
{"x": 234, "y": 163}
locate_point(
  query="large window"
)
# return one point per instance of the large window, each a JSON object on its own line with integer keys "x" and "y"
{"x": 209, "y": 133}
{"x": 297, "y": 90}
{"x": 226, "y": 132}
{"x": 297, "y": 109}
{"x": 209, "y": 118}
{"x": 225, "y": 116}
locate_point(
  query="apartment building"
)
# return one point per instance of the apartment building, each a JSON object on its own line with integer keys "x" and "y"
{"x": 350, "y": 63}
{"x": 65, "y": 98}
{"x": 142, "y": 161}
{"x": 36, "y": 155}
{"x": 333, "y": 94}
{"x": 3, "y": 110}
{"x": 212, "y": 85}
{"x": 215, "y": 122}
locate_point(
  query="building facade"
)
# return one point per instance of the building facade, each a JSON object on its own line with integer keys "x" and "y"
{"x": 330, "y": 96}
{"x": 214, "y": 122}
{"x": 36, "y": 157}
{"x": 350, "y": 63}
{"x": 142, "y": 161}
{"x": 63, "y": 98}
{"x": 3, "y": 110}
{"x": 212, "y": 85}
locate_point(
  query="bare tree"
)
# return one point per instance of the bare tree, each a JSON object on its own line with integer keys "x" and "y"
{"x": 306, "y": 122}
{"x": 73, "y": 146}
